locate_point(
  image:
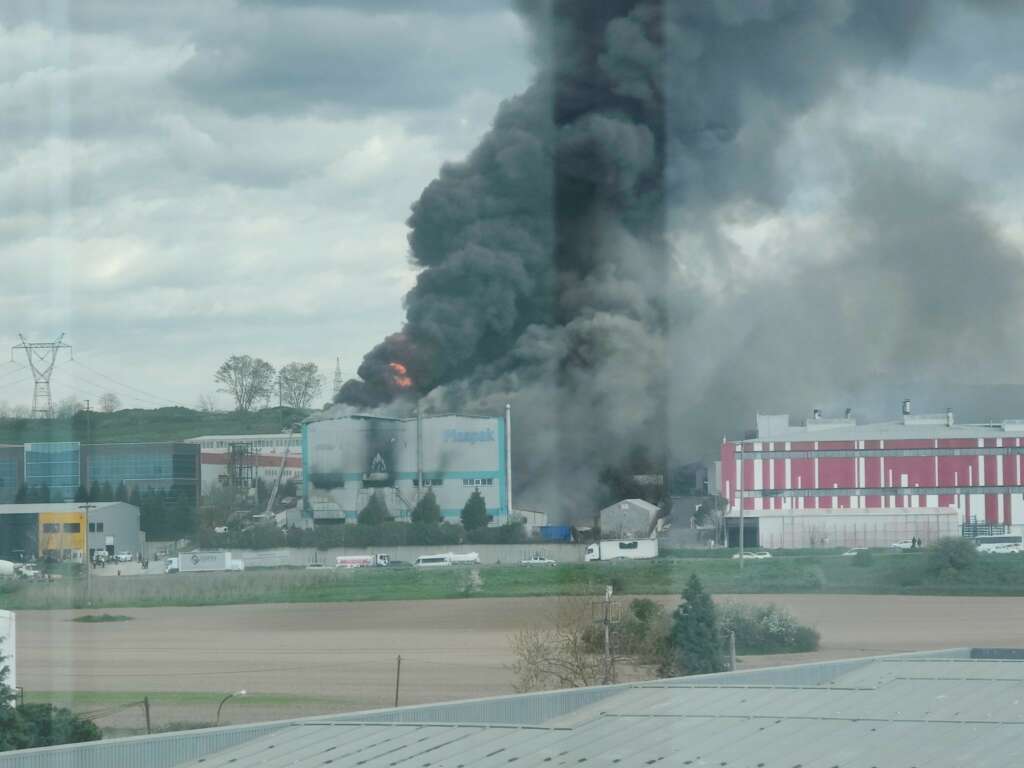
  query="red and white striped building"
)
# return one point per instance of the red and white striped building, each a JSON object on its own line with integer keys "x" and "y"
{"x": 268, "y": 453}
{"x": 917, "y": 462}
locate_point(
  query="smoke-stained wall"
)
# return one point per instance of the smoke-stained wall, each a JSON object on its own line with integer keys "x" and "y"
{"x": 348, "y": 458}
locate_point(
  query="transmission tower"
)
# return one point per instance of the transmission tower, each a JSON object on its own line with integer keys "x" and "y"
{"x": 42, "y": 357}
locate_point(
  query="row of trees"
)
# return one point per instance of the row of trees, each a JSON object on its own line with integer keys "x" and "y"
{"x": 64, "y": 409}
{"x": 428, "y": 512}
{"x": 251, "y": 381}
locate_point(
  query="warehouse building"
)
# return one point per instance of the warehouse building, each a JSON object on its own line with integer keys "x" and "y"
{"x": 61, "y": 468}
{"x": 941, "y": 709}
{"x": 347, "y": 459}
{"x": 68, "y": 531}
{"x": 628, "y": 519}
{"x": 901, "y": 475}
{"x": 264, "y": 458}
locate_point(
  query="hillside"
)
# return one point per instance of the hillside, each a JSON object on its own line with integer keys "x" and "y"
{"x": 141, "y": 426}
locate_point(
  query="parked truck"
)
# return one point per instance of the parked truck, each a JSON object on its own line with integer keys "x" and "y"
{"x": 198, "y": 562}
{"x": 379, "y": 560}
{"x": 622, "y": 549}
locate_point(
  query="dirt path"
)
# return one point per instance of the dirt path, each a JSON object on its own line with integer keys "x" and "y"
{"x": 341, "y": 656}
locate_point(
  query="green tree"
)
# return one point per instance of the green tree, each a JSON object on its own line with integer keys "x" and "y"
{"x": 48, "y": 725}
{"x": 474, "y": 513}
{"x": 427, "y": 510}
{"x": 94, "y": 492}
{"x": 106, "y": 491}
{"x": 951, "y": 556}
{"x": 246, "y": 379}
{"x": 22, "y": 496}
{"x": 375, "y": 512}
{"x": 81, "y": 494}
{"x": 13, "y": 734}
{"x": 121, "y": 494}
{"x": 694, "y": 638}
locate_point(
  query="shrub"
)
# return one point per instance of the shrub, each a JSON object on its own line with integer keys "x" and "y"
{"x": 766, "y": 629}
{"x": 512, "y": 533}
{"x": 951, "y": 556}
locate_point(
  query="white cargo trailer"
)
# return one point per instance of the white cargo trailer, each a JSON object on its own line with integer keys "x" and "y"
{"x": 622, "y": 549}
{"x": 379, "y": 560}
{"x": 198, "y": 562}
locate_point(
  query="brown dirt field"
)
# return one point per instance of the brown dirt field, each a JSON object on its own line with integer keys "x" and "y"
{"x": 341, "y": 656}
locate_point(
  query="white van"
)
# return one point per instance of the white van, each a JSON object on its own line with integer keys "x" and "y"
{"x": 431, "y": 561}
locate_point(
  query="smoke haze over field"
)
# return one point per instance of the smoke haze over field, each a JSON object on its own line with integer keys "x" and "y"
{"x": 675, "y": 227}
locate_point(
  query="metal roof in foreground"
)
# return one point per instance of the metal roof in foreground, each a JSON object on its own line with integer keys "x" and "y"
{"x": 963, "y": 707}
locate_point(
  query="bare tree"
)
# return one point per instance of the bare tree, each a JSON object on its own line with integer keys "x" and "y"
{"x": 206, "y": 403}
{"x": 560, "y": 653}
{"x": 299, "y": 384}
{"x": 110, "y": 402}
{"x": 247, "y": 379}
{"x": 68, "y": 407}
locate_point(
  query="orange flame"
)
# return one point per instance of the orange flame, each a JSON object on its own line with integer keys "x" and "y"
{"x": 400, "y": 375}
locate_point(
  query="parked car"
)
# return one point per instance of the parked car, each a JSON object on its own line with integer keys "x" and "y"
{"x": 852, "y": 552}
{"x": 538, "y": 559}
{"x": 904, "y": 544}
{"x": 753, "y": 556}
{"x": 29, "y": 571}
{"x": 316, "y": 567}
{"x": 124, "y": 557}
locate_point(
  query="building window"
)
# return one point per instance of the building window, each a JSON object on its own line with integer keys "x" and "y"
{"x": 99, "y": 527}
{"x": 51, "y": 528}
{"x": 92, "y": 527}
{"x": 72, "y": 528}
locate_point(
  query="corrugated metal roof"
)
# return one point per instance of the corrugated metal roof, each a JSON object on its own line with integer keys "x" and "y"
{"x": 889, "y": 712}
{"x": 910, "y": 428}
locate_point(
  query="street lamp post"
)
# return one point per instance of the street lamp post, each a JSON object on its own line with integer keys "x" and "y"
{"x": 222, "y": 701}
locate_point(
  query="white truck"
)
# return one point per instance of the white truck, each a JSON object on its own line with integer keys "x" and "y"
{"x": 379, "y": 560}
{"x": 448, "y": 558}
{"x": 198, "y": 562}
{"x": 622, "y": 549}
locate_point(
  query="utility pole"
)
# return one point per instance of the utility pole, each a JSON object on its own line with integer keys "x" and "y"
{"x": 607, "y": 635}
{"x": 87, "y": 507}
{"x": 398, "y": 677}
{"x": 732, "y": 650}
{"x": 42, "y": 357}
{"x": 145, "y": 706}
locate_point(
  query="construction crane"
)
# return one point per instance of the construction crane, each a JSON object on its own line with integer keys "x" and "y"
{"x": 280, "y": 470}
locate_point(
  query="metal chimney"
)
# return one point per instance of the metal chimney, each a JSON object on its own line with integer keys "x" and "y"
{"x": 949, "y": 417}
{"x": 849, "y": 413}
{"x": 817, "y": 413}
{"x": 906, "y": 407}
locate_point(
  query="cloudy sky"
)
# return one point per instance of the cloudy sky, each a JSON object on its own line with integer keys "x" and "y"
{"x": 185, "y": 181}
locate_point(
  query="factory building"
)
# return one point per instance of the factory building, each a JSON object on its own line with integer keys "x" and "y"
{"x": 908, "y": 475}
{"x": 64, "y": 467}
{"x": 260, "y": 458}
{"x": 68, "y": 531}
{"x": 347, "y": 459}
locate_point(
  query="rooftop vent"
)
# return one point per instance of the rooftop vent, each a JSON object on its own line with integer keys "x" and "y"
{"x": 906, "y": 407}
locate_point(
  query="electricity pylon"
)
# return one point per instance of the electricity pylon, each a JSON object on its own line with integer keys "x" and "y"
{"x": 42, "y": 357}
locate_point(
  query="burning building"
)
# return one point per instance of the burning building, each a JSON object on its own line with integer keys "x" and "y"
{"x": 347, "y": 458}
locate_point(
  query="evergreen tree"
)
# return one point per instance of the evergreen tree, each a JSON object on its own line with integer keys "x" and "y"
{"x": 106, "y": 491}
{"x": 375, "y": 512}
{"x": 694, "y": 638}
{"x": 474, "y": 513}
{"x": 94, "y": 491}
{"x": 121, "y": 494}
{"x": 22, "y": 496}
{"x": 427, "y": 510}
{"x": 81, "y": 494}
{"x": 13, "y": 734}
{"x": 135, "y": 497}
{"x": 43, "y": 494}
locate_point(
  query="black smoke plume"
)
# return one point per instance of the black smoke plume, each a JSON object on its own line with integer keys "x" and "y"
{"x": 548, "y": 276}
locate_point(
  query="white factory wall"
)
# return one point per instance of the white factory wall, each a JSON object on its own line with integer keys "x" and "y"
{"x": 860, "y": 528}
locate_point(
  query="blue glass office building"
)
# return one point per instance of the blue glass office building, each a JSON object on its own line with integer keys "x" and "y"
{"x": 55, "y": 465}
{"x": 11, "y": 471}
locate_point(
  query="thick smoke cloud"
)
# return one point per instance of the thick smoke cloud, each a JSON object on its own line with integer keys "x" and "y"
{"x": 552, "y": 274}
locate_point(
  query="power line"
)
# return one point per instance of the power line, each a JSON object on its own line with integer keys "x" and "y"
{"x": 128, "y": 386}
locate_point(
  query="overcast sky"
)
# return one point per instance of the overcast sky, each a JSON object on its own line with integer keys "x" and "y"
{"x": 185, "y": 181}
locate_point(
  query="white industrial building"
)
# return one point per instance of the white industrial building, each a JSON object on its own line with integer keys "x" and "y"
{"x": 628, "y": 519}
{"x": 265, "y": 454}
{"x": 347, "y": 459}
